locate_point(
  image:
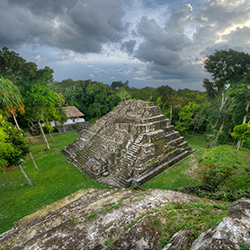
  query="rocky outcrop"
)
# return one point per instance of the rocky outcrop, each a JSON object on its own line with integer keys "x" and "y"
{"x": 123, "y": 219}
{"x": 180, "y": 240}
{"x": 93, "y": 219}
{"x": 128, "y": 146}
{"x": 232, "y": 233}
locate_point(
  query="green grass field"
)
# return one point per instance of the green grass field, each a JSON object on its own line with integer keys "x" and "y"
{"x": 55, "y": 179}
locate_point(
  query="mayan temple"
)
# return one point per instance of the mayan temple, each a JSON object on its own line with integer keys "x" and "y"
{"x": 128, "y": 146}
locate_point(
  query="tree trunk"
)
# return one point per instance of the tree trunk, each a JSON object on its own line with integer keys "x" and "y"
{"x": 14, "y": 117}
{"x": 217, "y": 136}
{"x": 51, "y": 137}
{"x": 31, "y": 156}
{"x": 44, "y": 137}
{"x": 246, "y": 115}
{"x": 171, "y": 114}
{"x": 25, "y": 175}
{"x": 239, "y": 144}
{"x": 223, "y": 102}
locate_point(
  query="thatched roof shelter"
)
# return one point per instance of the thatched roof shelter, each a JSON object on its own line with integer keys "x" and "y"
{"x": 72, "y": 112}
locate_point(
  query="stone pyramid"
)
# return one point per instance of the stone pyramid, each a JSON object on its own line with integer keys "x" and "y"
{"x": 128, "y": 146}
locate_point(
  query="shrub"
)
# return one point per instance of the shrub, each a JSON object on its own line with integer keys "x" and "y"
{"x": 212, "y": 175}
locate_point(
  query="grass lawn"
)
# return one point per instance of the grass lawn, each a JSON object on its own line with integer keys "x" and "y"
{"x": 55, "y": 179}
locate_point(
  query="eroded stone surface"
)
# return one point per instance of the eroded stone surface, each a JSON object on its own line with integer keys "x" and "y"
{"x": 92, "y": 219}
{"x": 121, "y": 219}
{"x": 128, "y": 146}
{"x": 231, "y": 233}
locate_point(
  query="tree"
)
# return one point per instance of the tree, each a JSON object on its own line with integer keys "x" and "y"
{"x": 14, "y": 146}
{"x": 39, "y": 102}
{"x": 225, "y": 67}
{"x": 186, "y": 115}
{"x": 241, "y": 133}
{"x": 14, "y": 67}
{"x": 227, "y": 91}
{"x": 116, "y": 85}
{"x": 10, "y": 99}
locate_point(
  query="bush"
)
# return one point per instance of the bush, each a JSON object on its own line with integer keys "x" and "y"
{"x": 225, "y": 195}
{"x": 13, "y": 144}
{"x": 212, "y": 175}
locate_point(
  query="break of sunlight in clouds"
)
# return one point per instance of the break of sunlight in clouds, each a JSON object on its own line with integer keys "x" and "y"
{"x": 149, "y": 43}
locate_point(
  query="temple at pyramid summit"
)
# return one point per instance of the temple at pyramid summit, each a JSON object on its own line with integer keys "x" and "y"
{"x": 128, "y": 146}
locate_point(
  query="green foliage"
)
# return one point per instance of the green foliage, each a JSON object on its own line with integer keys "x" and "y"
{"x": 212, "y": 175}
{"x": 55, "y": 179}
{"x": 13, "y": 144}
{"x": 231, "y": 164}
{"x": 186, "y": 116}
{"x": 108, "y": 242}
{"x": 225, "y": 67}
{"x": 241, "y": 132}
{"x": 196, "y": 217}
{"x": 10, "y": 97}
{"x": 245, "y": 247}
{"x": 48, "y": 128}
{"x": 94, "y": 99}
{"x": 124, "y": 94}
{"x": 118, "y": 85}
{"x": 224, "y": 195}
{"x": 14, "y": 67}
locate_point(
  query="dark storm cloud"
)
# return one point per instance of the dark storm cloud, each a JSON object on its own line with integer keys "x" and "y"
{"x": 128, "y": 46}
{"x": 162, "y": 46}
{"x": 79, "y": 25}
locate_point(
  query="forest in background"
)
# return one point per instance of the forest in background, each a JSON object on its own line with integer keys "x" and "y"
{"x": 29, "y": 94}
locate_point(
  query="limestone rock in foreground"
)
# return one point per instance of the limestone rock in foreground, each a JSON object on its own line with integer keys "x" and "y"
{"x": 128, "y": 146}
{"x": 93, "y": 219}
{"x": 231, "y": 233}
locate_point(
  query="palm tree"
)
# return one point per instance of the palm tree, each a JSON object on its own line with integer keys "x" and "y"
{"x": 11, "y": 101}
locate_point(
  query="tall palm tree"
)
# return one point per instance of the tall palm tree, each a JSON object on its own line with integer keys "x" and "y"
{"x": 11, "y": 101}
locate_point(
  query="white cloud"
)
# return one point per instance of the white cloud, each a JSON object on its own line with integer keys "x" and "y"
{"x": 148, "y": 42}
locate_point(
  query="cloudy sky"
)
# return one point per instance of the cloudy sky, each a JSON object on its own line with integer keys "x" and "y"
{"x": 147, "y": 42}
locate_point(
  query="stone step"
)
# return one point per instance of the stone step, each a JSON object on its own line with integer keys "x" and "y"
{"x": 139, "y": 139}
{"x": 158, "y": 124}
{"x": 145, "y": 177}
{"x": 133, "y": 152}
{"x": 172, "y": 136}
{"x": 184, "y": 144}
{"x": 169, "y": 129}
{"x": 130, "y": 155}
{"x": 156, "y": 118}
{"x": 176, "y": 142}
{"x": 119, "y": 183}
{"x": 154, "y": 110}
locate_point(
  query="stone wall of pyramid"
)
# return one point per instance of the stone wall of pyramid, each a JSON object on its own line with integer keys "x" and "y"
{"x": 128, "y": 146}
